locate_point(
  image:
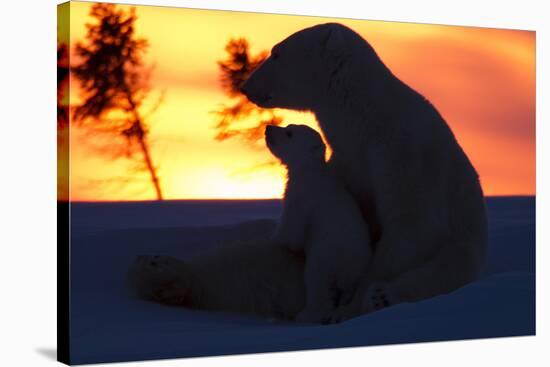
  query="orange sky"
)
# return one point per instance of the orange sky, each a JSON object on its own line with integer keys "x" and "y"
{"x": 481, "y": 80}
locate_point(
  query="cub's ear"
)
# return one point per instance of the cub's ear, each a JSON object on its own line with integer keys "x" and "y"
{"x": 319, "y": 149}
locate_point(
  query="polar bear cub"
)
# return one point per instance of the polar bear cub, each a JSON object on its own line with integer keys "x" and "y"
{"x": 321, "y": 218}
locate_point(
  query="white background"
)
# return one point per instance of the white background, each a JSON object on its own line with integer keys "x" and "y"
{"x": 28, "y": 183}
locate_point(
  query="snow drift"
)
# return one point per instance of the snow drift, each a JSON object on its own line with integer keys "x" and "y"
{"x": 109, "y": 324}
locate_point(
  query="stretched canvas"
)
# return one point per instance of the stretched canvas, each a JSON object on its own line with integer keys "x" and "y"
{"x": 233, "y": 182}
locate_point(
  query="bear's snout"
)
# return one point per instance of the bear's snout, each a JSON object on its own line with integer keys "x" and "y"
{"x": 269, "y": 131}
{"x": 243, "y": 90}
{"x": 255, "y": 96}
{"x": 259, "y": 99}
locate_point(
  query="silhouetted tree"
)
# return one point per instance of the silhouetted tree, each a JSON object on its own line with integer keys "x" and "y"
{"x": 62, "y": 85}
{"x": 234, "y": 71}
{"x": 114, "y": 81}
{"x": 62, "y": 122}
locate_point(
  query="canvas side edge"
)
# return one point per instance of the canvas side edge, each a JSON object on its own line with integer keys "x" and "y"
{"x": 63, "y": 207}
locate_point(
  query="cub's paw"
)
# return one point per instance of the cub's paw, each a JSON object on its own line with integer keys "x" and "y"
{"x": 377, "y": 297}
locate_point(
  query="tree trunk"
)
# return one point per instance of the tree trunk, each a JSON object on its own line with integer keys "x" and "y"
{"x": 138, "y": 131}
{"x": 150, "y": 167}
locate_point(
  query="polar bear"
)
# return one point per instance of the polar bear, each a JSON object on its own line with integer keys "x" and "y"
{"x": 311, "y": 263}
{"x": 320, "y": 218}
{"x": 256, "y": 278}
{"x": 416, "y": 188}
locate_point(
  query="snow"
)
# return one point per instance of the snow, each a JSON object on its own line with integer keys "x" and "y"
{"x": 109, "y": 324}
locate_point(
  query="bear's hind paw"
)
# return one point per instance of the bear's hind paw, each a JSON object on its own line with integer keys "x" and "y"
{"x": 377, "y": 297}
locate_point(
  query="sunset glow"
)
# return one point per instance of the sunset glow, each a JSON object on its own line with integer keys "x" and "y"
{"x": 481, "y": 80}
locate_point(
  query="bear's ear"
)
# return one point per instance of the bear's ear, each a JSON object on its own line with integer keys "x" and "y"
{"x": 332, "y": 43}
{"x": 333, "y": 49}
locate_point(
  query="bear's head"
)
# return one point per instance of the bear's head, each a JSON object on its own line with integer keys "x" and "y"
{"x": 300, "y": 69}
{"x": 161, "y": 279}
{"x": 295, "y": 145}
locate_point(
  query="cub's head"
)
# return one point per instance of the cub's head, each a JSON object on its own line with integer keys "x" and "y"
{"x": 295, "y": 145}
{"x": 300, "y": 68}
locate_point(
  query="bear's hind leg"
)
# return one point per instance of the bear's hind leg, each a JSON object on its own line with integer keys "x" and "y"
{"x": 451, "y": 268}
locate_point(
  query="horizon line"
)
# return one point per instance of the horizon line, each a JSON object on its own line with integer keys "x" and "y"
{"x": 234, "y": 199}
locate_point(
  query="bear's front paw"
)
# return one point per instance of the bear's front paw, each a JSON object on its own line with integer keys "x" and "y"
{"x": 172, "y": 294}
{"x": 346, "y": 312}
{"x": 377, "y": 297}
{"x": 312, "y": 317}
